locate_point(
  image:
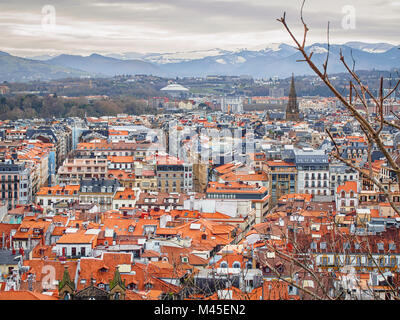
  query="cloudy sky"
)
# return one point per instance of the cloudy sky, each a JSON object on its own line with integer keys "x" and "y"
{"x": 36, "y": 27}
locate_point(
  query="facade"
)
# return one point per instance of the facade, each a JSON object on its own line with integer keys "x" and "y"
{"x": 232, "y": 104}
{"x": 48, "y": 197}
{"x": 347, "y": 197}
{"x": 282, "y": 178}
{"x": 236, "y": 191}
{"x": 15, "y": 183}
{"x": 77, "y": 167}
{"x": 313, "y": 172}
{"x": 173, "y": 175}
{"x": 339, "y": 174}
{"x": 100, "y": 192}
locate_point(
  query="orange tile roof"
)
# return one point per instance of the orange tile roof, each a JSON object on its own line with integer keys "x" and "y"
{"x": 235, "y": 187}
{"x": 78, "y": 237}
{"x": 66, "y": 190}
{"x": 347, "y": 187}
{"x": 24, "y": 295}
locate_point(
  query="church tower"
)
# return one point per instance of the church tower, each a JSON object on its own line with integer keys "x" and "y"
{"x": 292, "y": 109}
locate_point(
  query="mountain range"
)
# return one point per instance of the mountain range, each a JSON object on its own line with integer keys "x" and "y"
{"x": 277, "y": 59}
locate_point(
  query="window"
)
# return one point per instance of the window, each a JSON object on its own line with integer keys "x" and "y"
{"x": 313, "y": 245}
{"x": 223, "y": 264}
{"x": 236, "y": 265}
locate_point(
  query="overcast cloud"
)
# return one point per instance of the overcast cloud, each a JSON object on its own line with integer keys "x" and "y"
{"x": 115, "y": 26}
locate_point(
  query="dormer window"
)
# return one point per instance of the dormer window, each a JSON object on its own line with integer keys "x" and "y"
{"x": 148, "y": 286}
{"x": 131, "y": 228}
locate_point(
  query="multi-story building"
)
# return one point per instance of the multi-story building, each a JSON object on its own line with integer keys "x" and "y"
{"x": 98, "y": 191}
{"x": 282, "y": 176}
{"x": 47, "y": 197}
{"x": 173, "y": 174}
{"x": 347, "y": 196}
{"x": 313, "y": 172}
{"x": 78, "y": 167}
{"x": 15, "y": 183}
{"x": 232, "y": 104}
{"x": 339, "y": 174}
{"x": 258, "y": 195}
{"x": 125, "y": 198}
{"x": 122, "y": 148}
{"x": 145, "y": 176}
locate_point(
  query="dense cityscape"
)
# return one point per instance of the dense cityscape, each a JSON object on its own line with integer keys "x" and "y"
{"x": 145, "y": 186}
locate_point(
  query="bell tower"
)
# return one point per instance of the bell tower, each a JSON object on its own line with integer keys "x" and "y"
{"x": 292, "y": 109}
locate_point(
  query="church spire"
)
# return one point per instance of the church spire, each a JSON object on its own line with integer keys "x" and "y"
{"x": 66, "y": 287}
{"x": 292, "y": 93}
{"x": 117, "y": 280}
{"x": 292, "y": 110}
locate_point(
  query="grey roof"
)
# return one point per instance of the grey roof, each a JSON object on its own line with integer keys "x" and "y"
{"x": 99, "y": 186}
{"x": 311, "y": 157}
{"x": 7, "y": 258}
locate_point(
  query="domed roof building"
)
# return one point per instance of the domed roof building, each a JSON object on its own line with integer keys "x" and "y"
{"x": 175, "y": 90}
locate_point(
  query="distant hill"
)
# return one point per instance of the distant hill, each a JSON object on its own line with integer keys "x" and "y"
{"x": 96, "y": 63}
{"x": 15, "y": 69}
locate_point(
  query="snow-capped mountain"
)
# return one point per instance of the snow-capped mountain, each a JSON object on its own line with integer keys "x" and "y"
{"x": 177, "y": 57}
{"x": 237, "y": 56}
{"x": 275, "y": 59}
{"x": 370, "y": 47}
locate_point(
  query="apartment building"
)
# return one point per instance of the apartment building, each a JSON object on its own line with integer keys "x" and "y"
{"x": 78, "y": 167}
{"x": 15, "y": 183}
{"x": 259, "y": 195}
{"x": 313, "y": 171}
{"x": 47, "y": 197}
{"x": 173, "y": 174}
{"x": 98, "y": 191}
{"x": 283, "y": 177}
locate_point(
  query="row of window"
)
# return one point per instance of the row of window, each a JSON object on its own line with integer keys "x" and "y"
{"x": 313, "y": 184}
{"x": 313, "y": 176}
